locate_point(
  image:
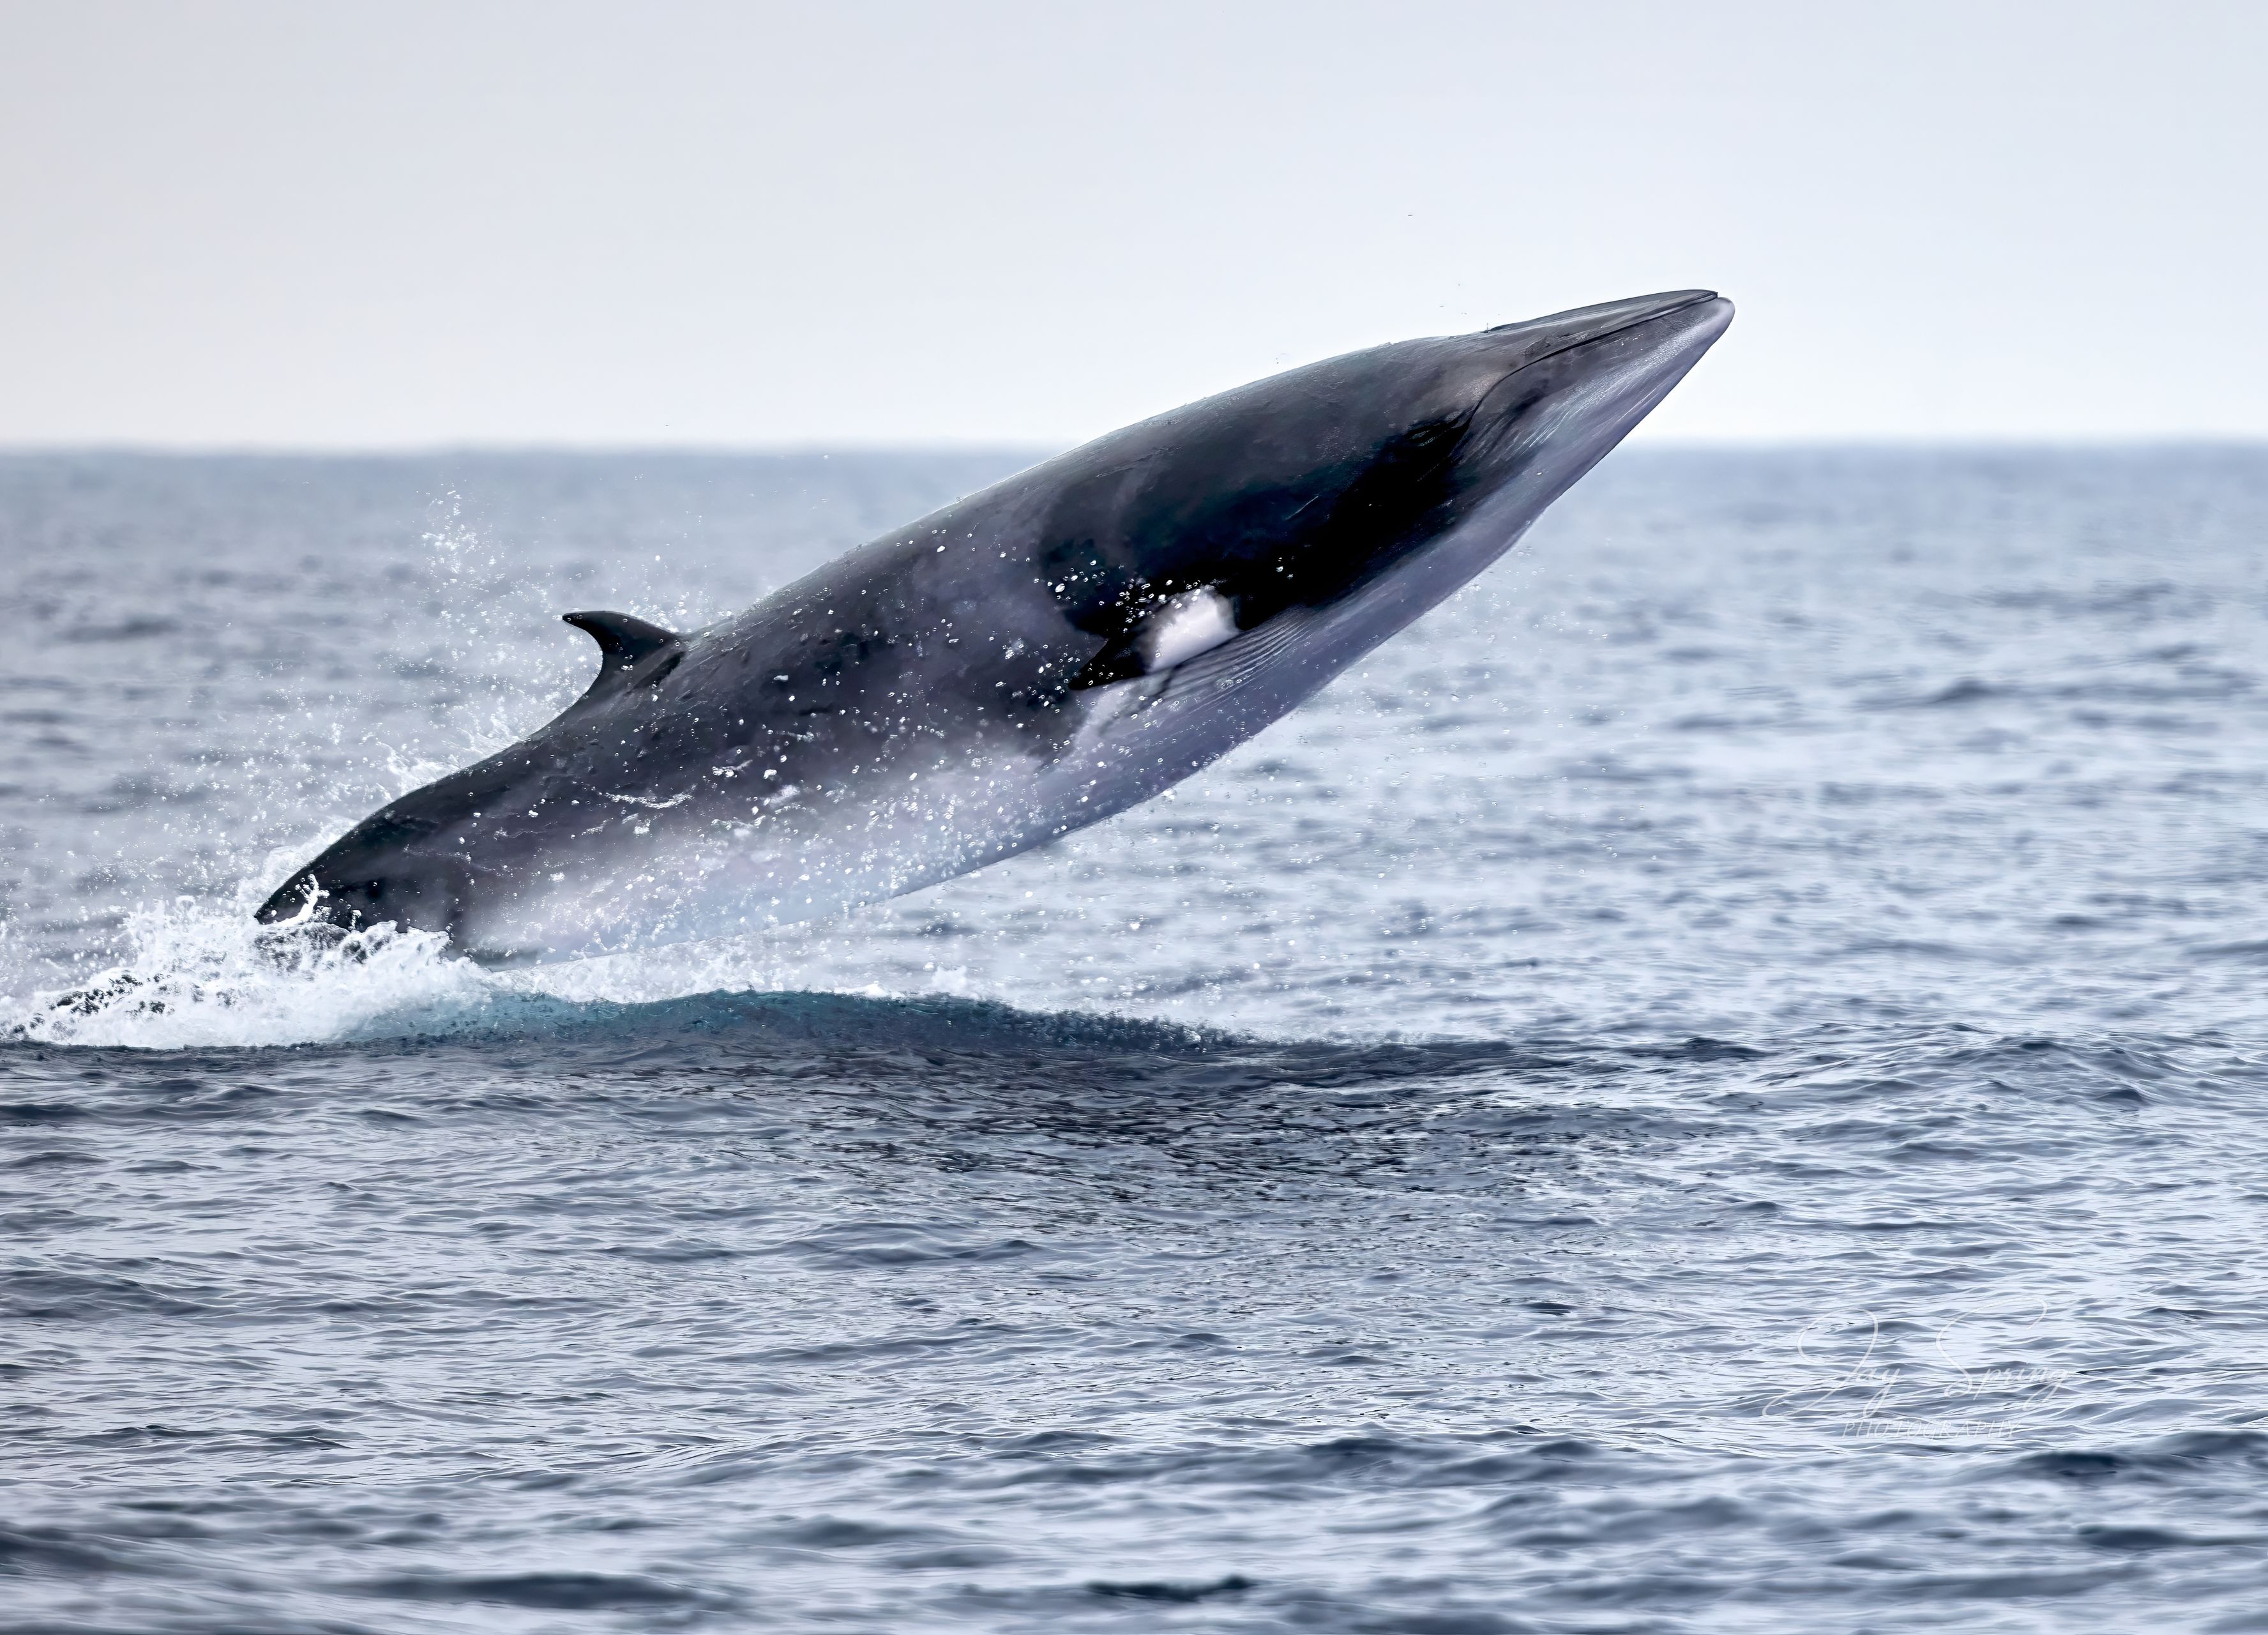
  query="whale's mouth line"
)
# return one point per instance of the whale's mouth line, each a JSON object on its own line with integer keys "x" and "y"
{"x": 1700, "y": 298}
{"x": 1688, "y": 298}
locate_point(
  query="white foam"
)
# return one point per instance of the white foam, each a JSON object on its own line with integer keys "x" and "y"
{"x": 203, "y": 974}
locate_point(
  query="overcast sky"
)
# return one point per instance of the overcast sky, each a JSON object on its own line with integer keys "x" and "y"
{"x": 331, "y": 225}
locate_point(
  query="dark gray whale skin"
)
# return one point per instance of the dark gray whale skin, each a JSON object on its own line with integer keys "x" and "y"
{"x": 1031, "y": 659}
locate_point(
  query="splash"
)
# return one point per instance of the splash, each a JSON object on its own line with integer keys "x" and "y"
{"x": 203, "y": 974}
{"x": 198, "y": 972}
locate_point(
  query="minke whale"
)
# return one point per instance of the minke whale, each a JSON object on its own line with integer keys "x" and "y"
{"x": 1028, "y": 660}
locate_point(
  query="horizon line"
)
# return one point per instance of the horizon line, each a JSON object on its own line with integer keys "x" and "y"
{"x": 1885, "y": 443}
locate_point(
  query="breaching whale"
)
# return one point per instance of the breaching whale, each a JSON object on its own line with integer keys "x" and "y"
{"x": 1028, "y": 660}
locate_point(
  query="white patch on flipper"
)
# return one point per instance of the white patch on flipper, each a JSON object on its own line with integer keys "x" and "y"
{"x": 1196, "y": 622}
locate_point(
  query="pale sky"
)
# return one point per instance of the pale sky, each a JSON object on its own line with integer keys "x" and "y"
{"x": 324, "y": 226}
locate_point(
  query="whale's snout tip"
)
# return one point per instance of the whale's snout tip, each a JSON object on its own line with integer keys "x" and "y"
{"x": 1708, "y": 318}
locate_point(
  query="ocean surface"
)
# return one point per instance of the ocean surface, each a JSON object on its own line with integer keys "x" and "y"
{"x": 1719, "y": 1082}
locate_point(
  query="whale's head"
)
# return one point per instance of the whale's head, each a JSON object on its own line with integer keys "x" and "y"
{"x": 1386, "y": 477}
{"x": 1555, "y": 393}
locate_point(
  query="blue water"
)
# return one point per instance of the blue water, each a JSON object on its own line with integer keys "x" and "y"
{"x": 1716, "y": 1083}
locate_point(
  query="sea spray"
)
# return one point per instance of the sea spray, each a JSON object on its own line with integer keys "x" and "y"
{"x": 201, "y": 974}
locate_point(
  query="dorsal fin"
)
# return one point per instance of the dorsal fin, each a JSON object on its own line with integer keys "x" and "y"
{"x": 627, "y": 651}
{"x": 623, "y": 639}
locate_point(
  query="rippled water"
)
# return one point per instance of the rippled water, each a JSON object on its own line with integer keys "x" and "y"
{"x": 1714, "y": 1084}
